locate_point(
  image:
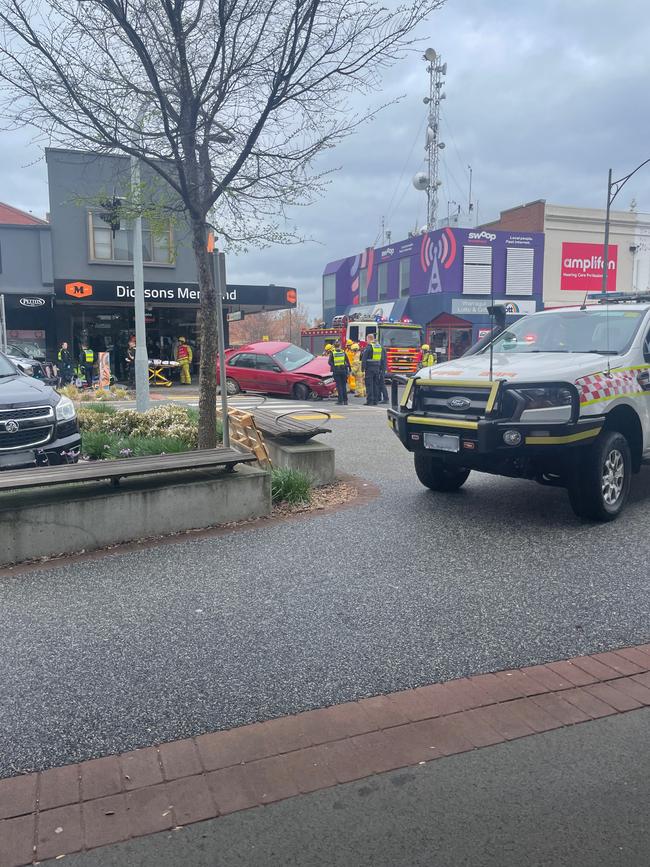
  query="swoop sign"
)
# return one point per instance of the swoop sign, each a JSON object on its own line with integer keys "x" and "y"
{"x": 582, "y": 267}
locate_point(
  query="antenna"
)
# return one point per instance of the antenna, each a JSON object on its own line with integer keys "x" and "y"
{"x": 429, "y": 180}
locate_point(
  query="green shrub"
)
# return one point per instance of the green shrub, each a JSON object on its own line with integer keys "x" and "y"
{"x": 100, "y": 407}
{"x": 161, "y": 421}
{"x": 91, "y": 395}
{"x": 95, "y": 444}
{"x": 137, "y": 446}
{"x": 290, "y": 486}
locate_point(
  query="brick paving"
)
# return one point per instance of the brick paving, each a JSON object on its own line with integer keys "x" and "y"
{"x": 95, "y": 803}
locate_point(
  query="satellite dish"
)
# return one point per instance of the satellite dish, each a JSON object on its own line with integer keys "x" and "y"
{"x": 442, "y": 145}
{"x": 430, "y": 137}
{"x": 421, "y": 181}
{"x": 442, "y": 69}
{"x": 430, "y": 54}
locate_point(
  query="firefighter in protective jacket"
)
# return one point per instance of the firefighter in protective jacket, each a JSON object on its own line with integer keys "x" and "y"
{"x": 184, "y": 358}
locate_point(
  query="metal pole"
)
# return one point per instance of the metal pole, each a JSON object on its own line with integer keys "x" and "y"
{"x": 469, "y": 202}
{"x": 141, "y": 355}
{"x": 3, "y": 324}
{"x": 220, "y": 289}
{"x": 606, "y": 245}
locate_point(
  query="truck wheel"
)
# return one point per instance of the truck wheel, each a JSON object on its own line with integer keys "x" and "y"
{"x": 600, "y": 485}
{"x": 435, "y": 475}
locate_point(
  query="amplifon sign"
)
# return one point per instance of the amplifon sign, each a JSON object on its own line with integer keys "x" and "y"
{"x": 582, "y": 267}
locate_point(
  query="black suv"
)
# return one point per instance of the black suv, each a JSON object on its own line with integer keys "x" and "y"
{"x": 38, "y": 426}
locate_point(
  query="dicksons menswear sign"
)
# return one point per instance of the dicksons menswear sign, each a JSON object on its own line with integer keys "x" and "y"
{"x": 111, "y": 292}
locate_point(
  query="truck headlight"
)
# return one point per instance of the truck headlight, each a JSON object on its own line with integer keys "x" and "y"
{"x": 553, "y": 403}
{"x": 65, "y": 409}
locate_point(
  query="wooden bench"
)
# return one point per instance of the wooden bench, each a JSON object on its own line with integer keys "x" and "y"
{"x": 283, "y": 426}
{"x": 115, "y": 470}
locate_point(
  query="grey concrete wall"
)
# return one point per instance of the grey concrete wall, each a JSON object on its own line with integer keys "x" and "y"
{"x": 87, "y": 516}
{"x": 75, "y": 180}
{"x": 26, "y": 260}
{"x": 313, "y": 457}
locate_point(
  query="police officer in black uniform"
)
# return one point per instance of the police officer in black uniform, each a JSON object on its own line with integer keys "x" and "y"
{"x": 64, "y": 363}
{"x": 373, "y": 364}
{"x": 340, "y": 367}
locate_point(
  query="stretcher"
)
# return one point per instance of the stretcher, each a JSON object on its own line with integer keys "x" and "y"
{"x": 159, "y": 371}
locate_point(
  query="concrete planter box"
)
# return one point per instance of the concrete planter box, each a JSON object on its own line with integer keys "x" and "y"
{"x": 42, "y": 522}
{"x": 313, "y": 457}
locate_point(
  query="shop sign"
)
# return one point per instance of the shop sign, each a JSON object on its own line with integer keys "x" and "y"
{"x": 483, "y": 332}
{"x": 108, "y": 292}
{"x": 582, "y": 267}
{"x": 467, "y": 307}
{"x": 32, "y": 301}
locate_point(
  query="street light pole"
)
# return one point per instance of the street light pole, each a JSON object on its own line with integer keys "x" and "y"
{"x": 616, "y": 186}
{"x": 141, "y": 355}
{"x": 606, "y": 244}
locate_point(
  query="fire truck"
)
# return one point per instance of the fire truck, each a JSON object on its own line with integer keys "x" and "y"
{"x": 401, "y": 340}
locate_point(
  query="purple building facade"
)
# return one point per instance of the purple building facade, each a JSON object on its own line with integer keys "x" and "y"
{"x": 442, "y": 280}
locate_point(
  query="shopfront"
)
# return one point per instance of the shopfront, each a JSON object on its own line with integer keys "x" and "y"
{"x": 103, "y": 313}
{"x": 30, "y": 324}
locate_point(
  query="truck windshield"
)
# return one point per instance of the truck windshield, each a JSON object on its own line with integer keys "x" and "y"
{"x": 404, "y": 338}
{"x": 574, "y": 331}
{"x": 6, "y": 367}
{"x": 292, "y": 357}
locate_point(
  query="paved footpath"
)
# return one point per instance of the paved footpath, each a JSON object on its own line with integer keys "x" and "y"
{"x": 168, "y": 786}
{"x": 115, "y": 654}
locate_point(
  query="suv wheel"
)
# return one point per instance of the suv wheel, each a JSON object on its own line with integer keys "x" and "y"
{"x": 435, "y": 475}
{"x": 600, "y": 484}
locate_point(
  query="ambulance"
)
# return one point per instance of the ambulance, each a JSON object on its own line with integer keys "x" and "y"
{"x": 561, "y": 397}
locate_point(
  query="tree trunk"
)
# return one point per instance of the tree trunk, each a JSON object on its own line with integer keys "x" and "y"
{"x": 208, "y": 339}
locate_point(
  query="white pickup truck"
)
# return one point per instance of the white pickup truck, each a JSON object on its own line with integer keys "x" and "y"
{"x": 565, "y": 400}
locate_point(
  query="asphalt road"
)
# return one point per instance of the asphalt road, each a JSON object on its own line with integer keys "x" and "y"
{"x": 104, "y": 655}
{"x": 571, "y": 798}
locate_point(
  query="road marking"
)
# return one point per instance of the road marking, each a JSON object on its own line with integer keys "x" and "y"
{"x": 314, "y": 416}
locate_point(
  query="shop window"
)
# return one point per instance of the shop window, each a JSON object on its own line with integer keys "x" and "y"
{"x": 519, "y": 270}
{"x": 404, "y": 276}
{"x": 382, "y": 280}
{"x": 477, "y": 270}
{"x": 329, "y": 291}
{"x": 157, "y": 249}
{"x": 363, "y": 285}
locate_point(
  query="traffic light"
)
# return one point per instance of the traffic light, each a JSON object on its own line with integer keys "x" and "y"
{"x": 111, "y": 214}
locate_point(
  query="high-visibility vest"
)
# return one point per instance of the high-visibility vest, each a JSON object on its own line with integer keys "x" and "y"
{"x": 377, "y": 352}
{"x": 428, "y": 358}
{"x": 59, "y": 356}
{"x": 182, "y": 352}
{"x": 89, "y": 355}
{"x": 338, "y": 358}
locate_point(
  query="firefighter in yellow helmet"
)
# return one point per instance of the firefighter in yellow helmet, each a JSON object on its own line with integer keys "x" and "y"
{"x": 352, "y": 383}
{"x": 427, "y": 358}
{"x": 328, "y": 348}
{"x": 184, "y": 358}
{"x": 360, "y": 389}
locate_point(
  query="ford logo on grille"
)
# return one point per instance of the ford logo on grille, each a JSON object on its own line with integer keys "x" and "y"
{"x": 459, "y": 403}
{"x": 11, "y": 426}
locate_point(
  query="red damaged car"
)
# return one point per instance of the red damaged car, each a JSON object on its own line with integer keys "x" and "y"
{"x": 275, "y": 367}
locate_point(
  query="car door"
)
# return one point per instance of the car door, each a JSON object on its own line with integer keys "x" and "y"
{"x": 272, "y": 378}
{"x": 241, "y": 368}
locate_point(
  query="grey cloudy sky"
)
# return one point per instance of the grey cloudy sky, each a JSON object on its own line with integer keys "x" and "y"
{"x": 542, "y": 97}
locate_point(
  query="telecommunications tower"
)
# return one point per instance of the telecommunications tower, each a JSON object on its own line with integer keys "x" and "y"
{"x": 429, "y": 180}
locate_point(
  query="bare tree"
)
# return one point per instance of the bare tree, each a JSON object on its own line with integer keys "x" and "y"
{"x": 281, "y": 325}
{"x": 229, "y": 101}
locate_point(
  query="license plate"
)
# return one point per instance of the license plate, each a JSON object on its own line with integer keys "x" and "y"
{"x": 442, "y": 442}
{"x": 16, "y": 460}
